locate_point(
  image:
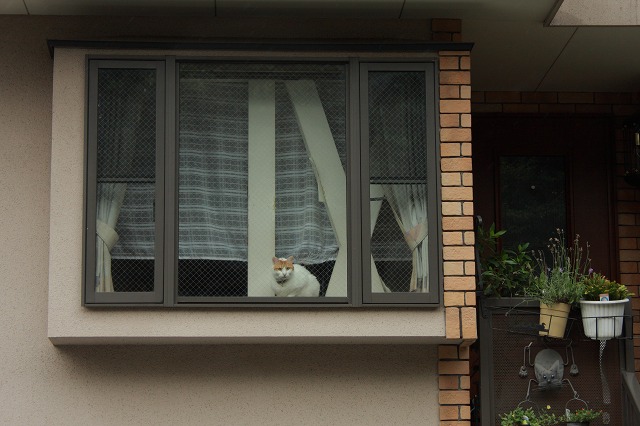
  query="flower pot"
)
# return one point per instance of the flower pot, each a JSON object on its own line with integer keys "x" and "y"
{"x": 553, "y": 318}
{"x": 602, "y": 320}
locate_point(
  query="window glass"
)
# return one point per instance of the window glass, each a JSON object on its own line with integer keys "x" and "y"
{"x": 125, "y": 192}
{"x": 262, "y": 153}
{"x": 398, "y": 181}
{"x": 532, "y": 199}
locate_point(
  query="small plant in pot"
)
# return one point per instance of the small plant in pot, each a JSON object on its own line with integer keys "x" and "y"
{"x": 528, "y": 417}
{"x": 505, "y": 272}
{"x": 559, "y": 284}
{"x": 581, "y": 417}
{"x": 603, "y": 306}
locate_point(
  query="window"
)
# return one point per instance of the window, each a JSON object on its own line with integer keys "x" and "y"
{"x": 205, "y": 177}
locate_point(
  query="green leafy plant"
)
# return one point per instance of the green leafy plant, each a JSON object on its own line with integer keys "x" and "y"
{"x": 561, "y": 280}
{"x": 505, "y": 272}
{"x": 521, "y": 416}
{"x": 596, "y": 284}
{"x": 582, "y": 415}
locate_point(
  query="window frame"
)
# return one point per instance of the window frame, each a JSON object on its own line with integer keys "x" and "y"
{"x": 357, "y": 188}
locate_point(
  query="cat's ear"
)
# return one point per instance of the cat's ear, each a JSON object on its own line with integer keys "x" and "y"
{"x": 274, "y": 260}
{"x": 290, "y": 259}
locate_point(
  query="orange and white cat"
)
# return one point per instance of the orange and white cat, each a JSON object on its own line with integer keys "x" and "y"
{"x": 293, "y": 280}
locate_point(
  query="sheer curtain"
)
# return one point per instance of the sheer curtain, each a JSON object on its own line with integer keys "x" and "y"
{"x": 110, "y": 199}
{"x": 409, "y": 205}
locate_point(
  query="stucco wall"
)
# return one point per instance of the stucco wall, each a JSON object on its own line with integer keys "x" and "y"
{"x": 206, "y": 384}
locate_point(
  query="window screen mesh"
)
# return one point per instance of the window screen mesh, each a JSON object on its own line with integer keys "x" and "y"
{"x": 126, "y": 138}
{"x": 398, "y": 180}
{"x": 219, "y": 105}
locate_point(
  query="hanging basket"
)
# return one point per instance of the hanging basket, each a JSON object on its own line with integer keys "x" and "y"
{"x": 602, "y": 320}
{"x": 553, "y": 319}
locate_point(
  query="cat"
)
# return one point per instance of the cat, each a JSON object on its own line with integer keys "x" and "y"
{"x": 549, "y": 368}
{"x": 293, "y": 280}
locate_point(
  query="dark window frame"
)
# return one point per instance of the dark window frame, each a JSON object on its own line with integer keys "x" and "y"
{"x": 357, "y": 188}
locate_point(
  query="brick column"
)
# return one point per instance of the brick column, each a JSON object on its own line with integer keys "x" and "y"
{"x": 457, "y": 226}
{"x": 454, "y": 383}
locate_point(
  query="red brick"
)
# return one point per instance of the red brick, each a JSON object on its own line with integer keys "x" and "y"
{"x": 450, "y": 193}
{"x": 465, "y": 120}
{"x": 453, "y": 367}
{"x": 453, "y": 268}
{"x": 557, "y": 109}
{"x": 612, "y": 98}
{"x": 449, "y": 63}
{"x": 451, "y": 179}
{"x": 593, "y": 109}
{"x": 458, "y": 252}
{"x": 458, "y": 223}
{"x": 455, "y": 77}
{"x": 452, "y": 238}
{"x": 628, "y": 267}
{"x": 540, "y": 97}
{"x": 458, "y": 135}
{"x": 626, "y": 219}
{"x": 449, "y": 382}
{"x": 465, "y": 92}
{"x": 449, "y": 412}
{"x": 453, "y": 298}
{"x": 449, "y": 91}
{"x": 449, "y": 149}
{"x": 629, "y": 231}
{"x": 484, "y": 108}
{"x": 575, "y": 97}
{"x": 452, "y": 331}
{"x": 502, "y": 97}
{"x": 455, "y": 106}
{"x": 441, "y": 36}
{"x": 520, "y": 108}
{"x": 627, "y": 243}
{"x": 450, "y": 120}
{"x": 465, "y": 63}
{"x": 465, "y": 382}
{"x": 470, "y": 298}
{"x": 456, "y": 164}
{"x": 446, "y": 25}
{"x": 454, "y": 397}
{"x": 459, "y": 283}
{"x": 629, "y": 255}
{"x": 477, "y": 97}
{"x": 452, "y": 208}
{"x": 626, "y": 109}
{"x": 469, "y": 328}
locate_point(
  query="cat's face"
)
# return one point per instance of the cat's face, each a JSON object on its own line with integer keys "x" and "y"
{"x": 282, "y": 268}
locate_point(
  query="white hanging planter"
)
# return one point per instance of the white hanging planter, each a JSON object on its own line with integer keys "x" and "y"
{"x": 602, "y": 320}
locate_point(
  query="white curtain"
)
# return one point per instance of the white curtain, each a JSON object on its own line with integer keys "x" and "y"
{"x": 110, "y": 199}
{"x": 409, "y": 205}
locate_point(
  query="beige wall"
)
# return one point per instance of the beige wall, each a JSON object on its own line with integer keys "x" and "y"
{"x": 206, "y": 384}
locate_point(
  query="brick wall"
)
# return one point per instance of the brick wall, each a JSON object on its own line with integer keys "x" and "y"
{"x": 619, "y": 106}
{"x": 457, "y": 226}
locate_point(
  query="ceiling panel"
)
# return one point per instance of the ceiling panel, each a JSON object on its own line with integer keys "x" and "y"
{"x": 512, "y": 55}
{"x": 589, "y": 12}
{"x": 513, "y": 10}
{"x": 12, "y": 7}
{"x": 598, "y": 59}
{"x": 311, "y": 8}
{"x": 121, "y": 7}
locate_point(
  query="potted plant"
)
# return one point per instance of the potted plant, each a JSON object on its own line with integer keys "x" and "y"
{"x": 581, "y": 417}
{"x": 603, "y": 307}
{"x": 505, "y": 272}
{"x": 528, "y": 417}
{"x": 559, "y": 284}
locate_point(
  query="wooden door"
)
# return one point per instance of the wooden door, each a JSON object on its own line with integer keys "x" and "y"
{"x": 530, "y": 158}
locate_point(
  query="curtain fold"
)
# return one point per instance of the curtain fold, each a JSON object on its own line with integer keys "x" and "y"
{"x": 110, "y": 200}
{"x": 409, "y": 205}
